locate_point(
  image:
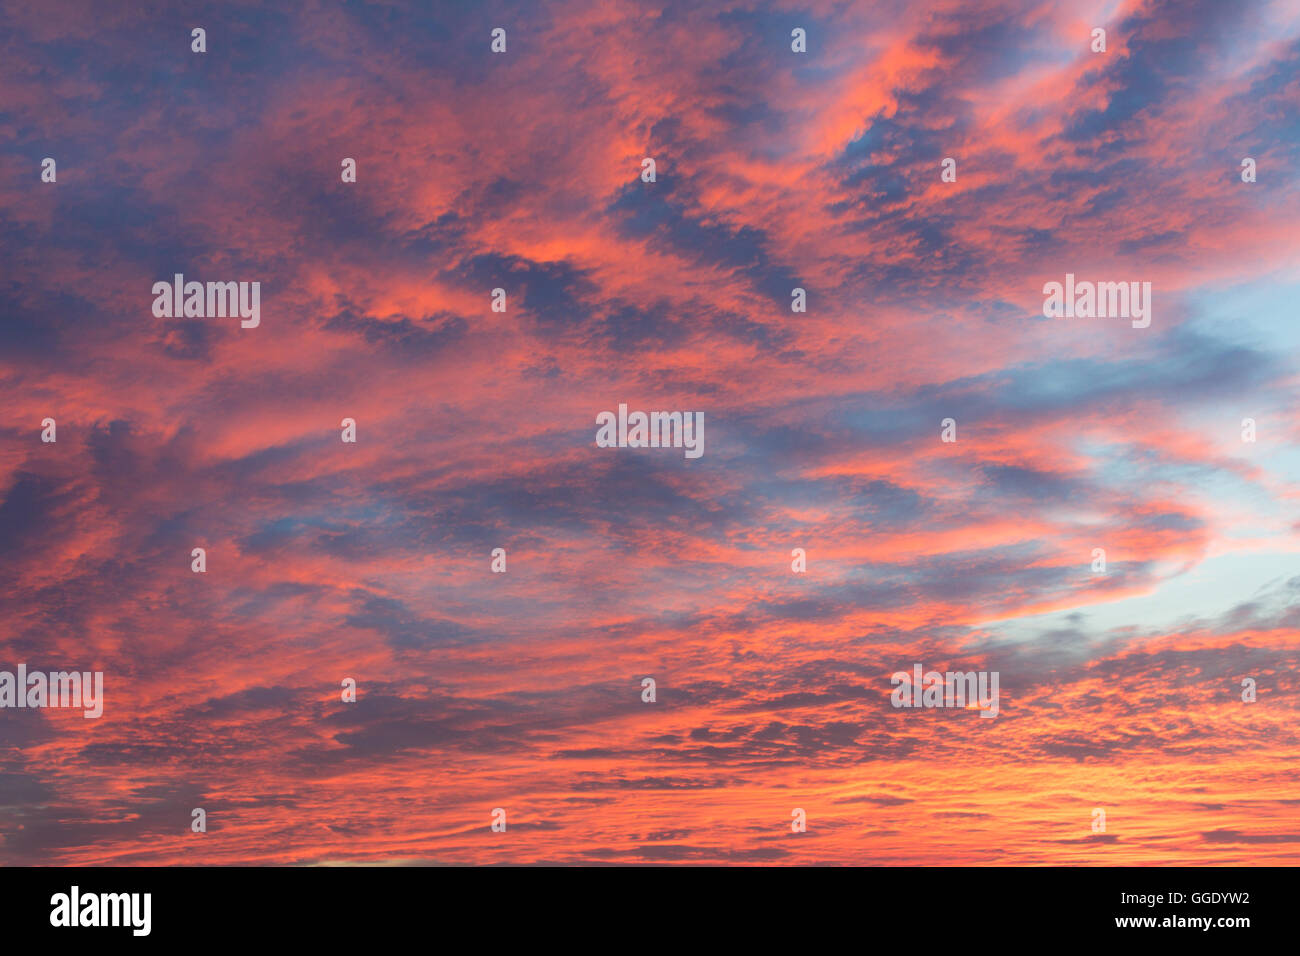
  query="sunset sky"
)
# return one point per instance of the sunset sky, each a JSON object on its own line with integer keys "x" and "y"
{"x": 476, "y": 429}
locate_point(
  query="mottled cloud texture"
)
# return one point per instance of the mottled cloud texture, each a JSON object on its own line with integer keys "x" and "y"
{"x": 476, "y": 430}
